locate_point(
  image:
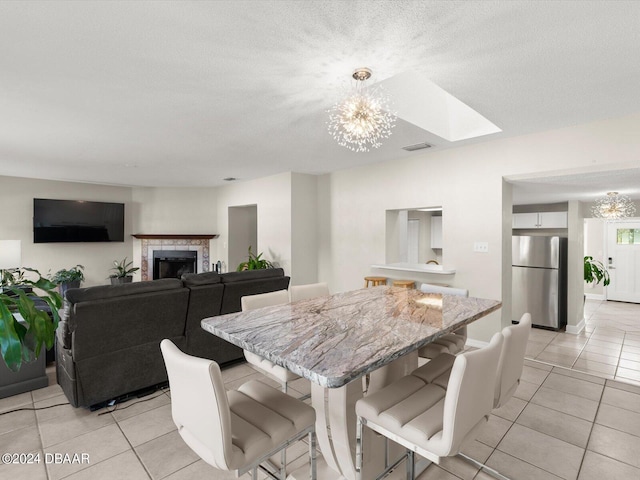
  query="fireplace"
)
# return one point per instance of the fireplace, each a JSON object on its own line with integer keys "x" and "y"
{"x": 170, "y": 243}
{"x": 174, "y": 263}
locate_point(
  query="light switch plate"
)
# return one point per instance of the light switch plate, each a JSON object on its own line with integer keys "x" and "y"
{"x": 482, "y": 247}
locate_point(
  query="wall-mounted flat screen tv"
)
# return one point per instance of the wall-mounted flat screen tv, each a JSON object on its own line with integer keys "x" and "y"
{"x": 77, "y": 221}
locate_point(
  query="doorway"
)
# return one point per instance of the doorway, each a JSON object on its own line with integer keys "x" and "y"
{"x": 623, "y": 261}
{"x": 243, "y": 233}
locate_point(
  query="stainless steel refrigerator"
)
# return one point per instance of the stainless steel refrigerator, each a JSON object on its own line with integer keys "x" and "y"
{"x": 539, "y": 280}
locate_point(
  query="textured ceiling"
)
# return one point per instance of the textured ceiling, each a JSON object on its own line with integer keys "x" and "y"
{"x": 585, "y": 187}
{"x": 187, "y": 93}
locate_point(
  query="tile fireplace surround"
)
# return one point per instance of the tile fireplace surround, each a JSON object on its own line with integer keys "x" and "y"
{"x": 152, "y": 242}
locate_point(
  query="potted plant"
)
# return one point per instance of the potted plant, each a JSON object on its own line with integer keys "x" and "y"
{"x": 595, "y": 272}
{"x": 255, "y": 262}
{"x": 122, "y": 272}
{"x": 24, "y": 329}
{"x": 66, "y": 279}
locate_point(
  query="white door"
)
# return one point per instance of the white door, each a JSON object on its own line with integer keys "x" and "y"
{"x": 623, "y": 261}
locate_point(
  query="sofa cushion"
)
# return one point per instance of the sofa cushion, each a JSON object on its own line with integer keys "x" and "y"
{"x": 251, "y": 275}
{"x": 206, "y": 278}
{"x": 76, "y": 295}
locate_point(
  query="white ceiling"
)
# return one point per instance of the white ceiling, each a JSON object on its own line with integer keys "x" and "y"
{"x": 134, "y": 93}
{"x": 585, "y": 187}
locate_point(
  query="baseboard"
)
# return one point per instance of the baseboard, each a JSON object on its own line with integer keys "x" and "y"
{"x": 576, "y": 329}
{"x": 475, "y": 343}
{"x": 594, "y": 296}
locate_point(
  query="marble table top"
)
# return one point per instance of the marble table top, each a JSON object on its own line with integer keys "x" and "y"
{"x": 336, "y": 339}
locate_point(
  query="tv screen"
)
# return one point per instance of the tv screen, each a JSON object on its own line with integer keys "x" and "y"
{"x": 77, "y": 221}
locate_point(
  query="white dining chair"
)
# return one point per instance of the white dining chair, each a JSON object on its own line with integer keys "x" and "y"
{"x": 305, "y": 292}
{"x": 427, "y": 419}
{"x": 252, "y": 302}
{"x": 508, "y": 373}
{"x": 451, "y": 343}
{"x": 510, "y": 366}
{"x": 238, "y": 430}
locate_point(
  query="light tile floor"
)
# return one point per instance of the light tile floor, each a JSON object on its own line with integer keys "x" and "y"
{"x": 608, "y": 347}
{"x": 560, "y": 424}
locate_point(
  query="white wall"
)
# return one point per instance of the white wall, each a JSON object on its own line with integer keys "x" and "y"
{"x": 304, "y": 232}
{"x": 575, "y": 267}
{"x": 468, "y": 183}
{"x": 162, "y": 210}
{"x": 594, "y": 232}
{"x": 272, "y": 196}
{"x": 16, "y": 198}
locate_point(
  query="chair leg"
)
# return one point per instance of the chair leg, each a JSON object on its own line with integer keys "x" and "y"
{"x": 312, "y": 455}
{"x": 359, "y": 452}
{"x": 283, "y": 464}
{"x": 483, "y": 467}
{"x": 254, "y": 473}
{"x": 386, "y": 453}
{"x": 410, "y": 465}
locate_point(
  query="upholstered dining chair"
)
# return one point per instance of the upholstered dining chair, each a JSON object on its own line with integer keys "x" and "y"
{"x": 452, "y": 342}
{"x": 508, "y": 373}
{"x": 252, "y": 302}
{"x": 427, "y": 419}
{"x": 305, "y": 292}
{"x": 510, "y": 366}
{"x": 238, "y": 430}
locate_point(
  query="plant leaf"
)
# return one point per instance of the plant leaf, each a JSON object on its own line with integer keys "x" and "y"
{"x": 10, "y": 344}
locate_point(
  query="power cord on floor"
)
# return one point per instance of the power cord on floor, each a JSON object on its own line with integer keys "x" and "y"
{"x": 33, "y": 409}
{"x": 117, "y": 405}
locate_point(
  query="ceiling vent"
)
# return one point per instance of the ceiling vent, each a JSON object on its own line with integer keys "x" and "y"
{"x": 417, "y": 146}
{"x": 230, "y": 179}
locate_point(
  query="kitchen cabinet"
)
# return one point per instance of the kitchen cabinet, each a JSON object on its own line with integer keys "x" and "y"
{"x": 540, "y": 220}
{"x": 436, "y": 232}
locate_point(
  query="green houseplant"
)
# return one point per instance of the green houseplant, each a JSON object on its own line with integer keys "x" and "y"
{"x": 255, "y": 262}
{"x": 594, "y": 271}
{"x": 122, "y": 271}
{"x": 21, "y": 339}
{"x": 66, "y": 279}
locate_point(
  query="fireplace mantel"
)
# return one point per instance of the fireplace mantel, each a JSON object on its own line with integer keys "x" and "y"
{"x": 176, "y": 236}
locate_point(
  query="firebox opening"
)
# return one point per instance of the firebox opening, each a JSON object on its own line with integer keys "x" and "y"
{"x": 174, "y": 263}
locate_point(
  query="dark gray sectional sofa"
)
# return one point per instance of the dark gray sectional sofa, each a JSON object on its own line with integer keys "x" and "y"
{"x": 108, "y": 340}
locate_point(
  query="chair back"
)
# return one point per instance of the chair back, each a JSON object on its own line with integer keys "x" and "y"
{"x": 428, "y": 288}
{"x": 304, "y": 292}
{"x": 199, "y": 405}
{"x": 511, "y": 360}
{"x": 462, "y": 292}
{"x": 251, "y": 302}
{"x": 469, "y": 398}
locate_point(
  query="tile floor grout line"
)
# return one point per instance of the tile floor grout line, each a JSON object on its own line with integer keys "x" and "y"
{"x": 514, "y": 422}
{"x": 35, "y": 414}
{"x": 146, "y": 470}
{"x": 591, "y": 429}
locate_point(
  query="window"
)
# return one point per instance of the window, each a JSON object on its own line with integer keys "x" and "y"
{"x": 628, "y": 236}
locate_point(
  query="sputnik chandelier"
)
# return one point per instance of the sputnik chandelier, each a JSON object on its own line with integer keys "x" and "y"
{"x": 613, "y": 206}
{"x": 363, "y": 119}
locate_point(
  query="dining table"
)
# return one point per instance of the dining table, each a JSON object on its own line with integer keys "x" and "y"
{"x": 348, "y": 344}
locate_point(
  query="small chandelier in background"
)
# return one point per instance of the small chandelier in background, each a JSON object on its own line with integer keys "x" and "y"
{"x": 360, "y": 121}
{"x": 613, "y": 206}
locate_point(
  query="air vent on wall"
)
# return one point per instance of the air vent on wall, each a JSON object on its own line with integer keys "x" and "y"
{"x": 417, "y": 146}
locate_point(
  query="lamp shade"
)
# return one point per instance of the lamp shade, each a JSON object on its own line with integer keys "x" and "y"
{"x": 10, "y": 254}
